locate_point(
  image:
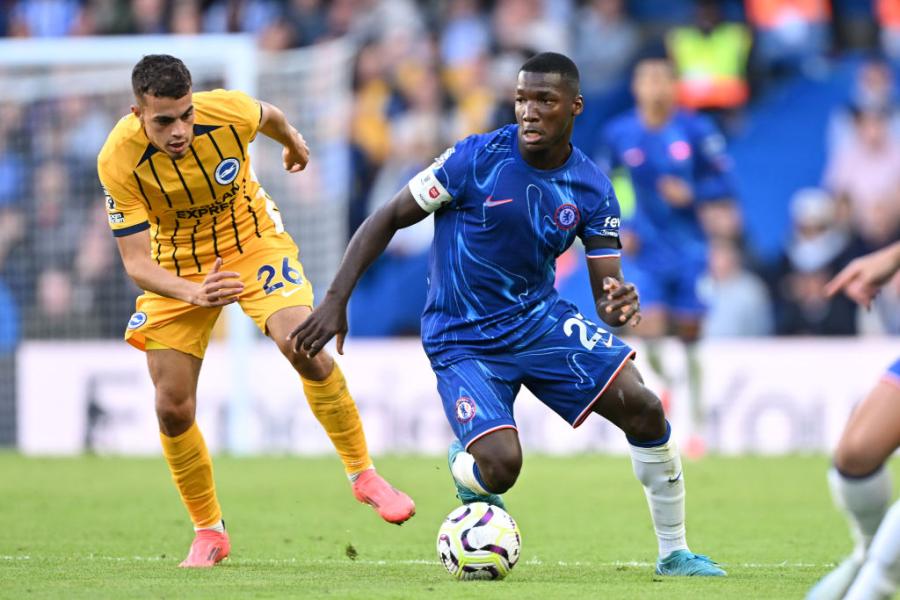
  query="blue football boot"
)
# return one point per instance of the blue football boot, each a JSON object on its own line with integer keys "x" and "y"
{"x": 686, "y": 563}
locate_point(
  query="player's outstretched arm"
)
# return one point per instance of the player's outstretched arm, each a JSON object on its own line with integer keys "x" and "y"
{"x": 616, "y": 301}
{"x": 329, "y": 319}
{"x": 218, "y": 289}
{"x": 274, "y": 124}
{"x": 864, "y": 276}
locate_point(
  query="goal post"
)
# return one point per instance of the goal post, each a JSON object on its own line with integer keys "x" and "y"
{"x": 68, "y": 93}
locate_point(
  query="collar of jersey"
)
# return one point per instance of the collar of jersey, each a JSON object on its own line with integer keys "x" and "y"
{"x": 518, "y": 156}
{"x": 151, "y": 149}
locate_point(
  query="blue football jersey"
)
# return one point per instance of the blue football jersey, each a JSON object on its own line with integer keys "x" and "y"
{"x": 499, "y": 225}
{"x": 688, "y": 147}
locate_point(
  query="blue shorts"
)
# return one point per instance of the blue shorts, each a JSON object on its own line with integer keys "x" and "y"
{"x": 568, "y": 369}
{"x": 674, "y": 290}
{"x": 893, "y": 373}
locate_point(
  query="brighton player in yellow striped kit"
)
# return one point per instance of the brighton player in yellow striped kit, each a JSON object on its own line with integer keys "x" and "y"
{"x": 196, "y": 231}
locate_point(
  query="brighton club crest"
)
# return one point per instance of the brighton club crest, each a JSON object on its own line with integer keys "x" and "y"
{"x": 566, "y": 216}
{"x": 137, "y": 320}
{"x": 227, "y": 171}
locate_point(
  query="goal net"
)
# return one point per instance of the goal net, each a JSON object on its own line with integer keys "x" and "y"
{"x": 60, "y": 274}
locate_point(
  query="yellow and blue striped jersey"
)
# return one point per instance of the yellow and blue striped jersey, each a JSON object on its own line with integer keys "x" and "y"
{"x": 204, "y": 205}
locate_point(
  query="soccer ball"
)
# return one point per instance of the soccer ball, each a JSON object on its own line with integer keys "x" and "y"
{"x": 479, "y": 541}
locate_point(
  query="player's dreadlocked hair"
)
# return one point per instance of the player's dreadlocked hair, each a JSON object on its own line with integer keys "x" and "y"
{"x": 160, "y": 75}
{"x": 553, "y": 62}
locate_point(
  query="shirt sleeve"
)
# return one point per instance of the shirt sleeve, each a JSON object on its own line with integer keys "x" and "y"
{"x": 713, "y": 168}
{"x": 602, "y": 218}
{"x": 443, "y": 180}
{"x": 125, "y": 211}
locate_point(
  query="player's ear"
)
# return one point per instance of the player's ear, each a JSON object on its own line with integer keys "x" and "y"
{"x": 578, "y": 105}
{"x": 136, "y": 110}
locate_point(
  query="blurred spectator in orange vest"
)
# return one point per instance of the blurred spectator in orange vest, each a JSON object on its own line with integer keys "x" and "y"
{"x": 710, "y": 58}
{"x": 888, "y": 14}
{"x": 791, "y": 35}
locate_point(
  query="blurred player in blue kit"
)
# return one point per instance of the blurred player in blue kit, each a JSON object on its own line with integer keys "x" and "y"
{"x": 860, "y": 485}
{"x": 678, "y": 170}
{"x": 506, "y": 204}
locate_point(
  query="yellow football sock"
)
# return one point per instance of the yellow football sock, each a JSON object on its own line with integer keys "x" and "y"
{"x": 335, "y": 409}
{"x": 192, "y": 472}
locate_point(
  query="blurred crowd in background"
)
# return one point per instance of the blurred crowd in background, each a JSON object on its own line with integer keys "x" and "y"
{"x": 429, "y": 73}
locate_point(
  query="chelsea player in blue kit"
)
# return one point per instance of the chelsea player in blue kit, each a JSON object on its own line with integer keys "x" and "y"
{"x": 506, "y": 205}
{"x": 678, "y": 170}
{"x": 860, "y": 485}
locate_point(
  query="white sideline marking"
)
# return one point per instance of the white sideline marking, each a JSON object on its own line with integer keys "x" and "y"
{"x": 417, "y": 561}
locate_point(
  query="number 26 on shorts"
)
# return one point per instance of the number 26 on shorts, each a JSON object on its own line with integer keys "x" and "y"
{"x": 288, "y": 273}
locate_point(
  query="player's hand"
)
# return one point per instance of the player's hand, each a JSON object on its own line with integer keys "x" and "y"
{"x": 219, "y": 288}
{"x": 620, "y": 303}
{"x": 675, "y": 190}
{"x": 295, "y": 155}
{"x": 327, "y": 320}
{"x": 863, "y": 277}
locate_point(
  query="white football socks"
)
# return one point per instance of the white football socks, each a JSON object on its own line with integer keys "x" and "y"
{"x": 880, "y": 574}
{"x": 864, "y": 500}
{"x": 659, "y": 469}
{"x": 463, "y": 469}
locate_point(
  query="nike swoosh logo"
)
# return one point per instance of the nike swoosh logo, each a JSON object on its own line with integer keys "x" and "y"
{"x": 608, "y": 343}
{"x": 489, "y": 201}
{"x": 287, "y": 293}
{"x": 676, "y": 478}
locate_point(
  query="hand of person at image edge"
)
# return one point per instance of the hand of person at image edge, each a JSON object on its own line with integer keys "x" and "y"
{"x": 328, "y": 320}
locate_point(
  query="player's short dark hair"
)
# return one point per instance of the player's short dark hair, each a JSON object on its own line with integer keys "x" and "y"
{"x": 553, "y": 62}
{"x": 653, "y": 51}
{"x": 654, "y": 54}
{"x": 160, "y": 75}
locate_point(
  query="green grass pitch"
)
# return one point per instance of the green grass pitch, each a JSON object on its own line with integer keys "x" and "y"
{"x": 114, "y": 528}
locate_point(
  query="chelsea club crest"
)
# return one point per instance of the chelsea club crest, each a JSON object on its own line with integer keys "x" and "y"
{"x": 465, "y": 410}
{"x": 566, "y": 216}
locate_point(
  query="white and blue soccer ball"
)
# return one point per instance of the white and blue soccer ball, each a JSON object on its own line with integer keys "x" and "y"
{"x": 479, "y": 541}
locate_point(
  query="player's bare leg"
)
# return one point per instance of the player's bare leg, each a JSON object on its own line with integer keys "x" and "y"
{"x": 860, "y": 485}
{"x": 174, "y": 376}
{"x": 328, "y": 397}
{"x": 872, "y": 432}
{"x": 488, "y": 468}
{"x": 638, "y": 412}
{"x": 499, "y": 458}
